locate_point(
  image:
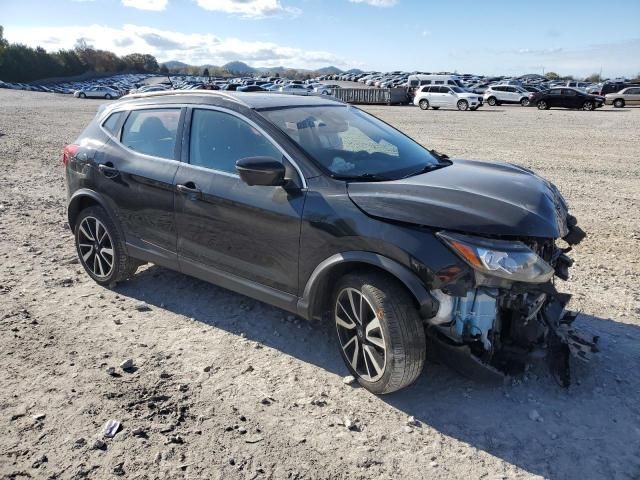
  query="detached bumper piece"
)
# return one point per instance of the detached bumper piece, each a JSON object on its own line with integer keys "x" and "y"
{"x": 563, "y": 342}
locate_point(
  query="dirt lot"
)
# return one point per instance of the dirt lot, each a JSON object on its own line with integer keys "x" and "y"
{"x": 225, "y": 387}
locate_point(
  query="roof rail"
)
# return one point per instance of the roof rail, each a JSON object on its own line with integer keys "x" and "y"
{"x": 165, "y": 93}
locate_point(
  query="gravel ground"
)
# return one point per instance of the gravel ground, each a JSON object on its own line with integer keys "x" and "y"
{"x": 225, "y": 387}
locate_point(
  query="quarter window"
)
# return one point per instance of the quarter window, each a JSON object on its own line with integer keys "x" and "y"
{"x": 152, "y": 132}
{"x": 219, "y": 140}
{"x": 111, "y": 123}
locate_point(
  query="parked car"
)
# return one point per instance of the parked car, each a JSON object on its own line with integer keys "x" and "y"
{"x": 566, "y": 98}
{"x": 250, "y": 88}
{"x": 295, "y": 89}
{"x": 627, "y": 96}
{"x": 395, "y": 244}
{"x": 614, "y": 87}
{"x": 499, "y": 94}
{"x": 448, "y": 97}
{"x": 97, "y": 92}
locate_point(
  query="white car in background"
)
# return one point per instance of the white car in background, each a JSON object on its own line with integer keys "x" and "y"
{"x": 295, "y": 89}
{"x": 325, "y": 89}
{"x": 97, "y": 92}
{"x": 499, "y": 94}
{"x": 436, "y": 96}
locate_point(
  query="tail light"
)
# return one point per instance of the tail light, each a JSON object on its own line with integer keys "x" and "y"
{"x": 69, "y": 152}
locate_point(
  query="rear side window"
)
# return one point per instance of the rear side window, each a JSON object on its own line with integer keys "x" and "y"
{"x": 111, "y": 123}
{"x": 425, "y": 89}
{"x": 152, "y": 132}
{"x": 219, "y": 140}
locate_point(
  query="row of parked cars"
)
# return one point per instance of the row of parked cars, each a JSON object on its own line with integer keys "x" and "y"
{"x": 468, "y": 92}
{"x": 106, "y": 87}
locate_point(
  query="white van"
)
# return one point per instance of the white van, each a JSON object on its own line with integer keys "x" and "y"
{"x": 420, "y": 80}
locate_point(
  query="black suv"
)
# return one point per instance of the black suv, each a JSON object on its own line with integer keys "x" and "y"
{"x": 323, "y": 210}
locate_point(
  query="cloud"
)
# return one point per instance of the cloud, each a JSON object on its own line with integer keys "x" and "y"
{"x": 538, "y": 51}
{"x": 192, "y": 48}
{"x": 249, "y": 8}
{"x": 155, "y": 5}
{"x": 377, "y": 3}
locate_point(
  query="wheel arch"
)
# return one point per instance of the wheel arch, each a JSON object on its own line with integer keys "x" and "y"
{"x": 319, "y": 287}
{"x": 80, "y": 200}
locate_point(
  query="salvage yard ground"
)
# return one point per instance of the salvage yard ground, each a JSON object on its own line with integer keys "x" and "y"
{"x": 225, "y": 387}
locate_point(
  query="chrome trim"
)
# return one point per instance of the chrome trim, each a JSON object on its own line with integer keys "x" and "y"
{"x": 165, "y": 93}
{"x": 129, "y": 108}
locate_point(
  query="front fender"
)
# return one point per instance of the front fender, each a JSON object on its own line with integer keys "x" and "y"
{"x": 316, "y": 288}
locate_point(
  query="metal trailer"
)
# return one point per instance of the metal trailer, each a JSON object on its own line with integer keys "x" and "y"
{"x": 372, "y": 96}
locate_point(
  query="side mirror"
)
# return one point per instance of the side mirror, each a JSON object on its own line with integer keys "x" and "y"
{"x": 264, "y": 171}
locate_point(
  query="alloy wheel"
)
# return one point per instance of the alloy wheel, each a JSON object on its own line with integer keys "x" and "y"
{"x": 360, "y": 334}
{"x": 463, "y": 105}
{"x": 96, "y": 247}
{"x": 588, "y": 106}
{"x": 542, "y": 105}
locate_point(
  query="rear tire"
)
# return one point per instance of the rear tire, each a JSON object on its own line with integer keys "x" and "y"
{"x": 101, "y": 248}
{"x": 463, "y": 105}
{"x": 618, "y": 103}
{"x": 381, "y": 336}
{"x": 82, "y": 95}
{"x": 424, "y": 104}
{"x": 107, "y": 97}
{"x": 492, "y": 101}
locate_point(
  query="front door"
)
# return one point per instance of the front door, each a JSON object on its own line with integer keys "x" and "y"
{"x": 224, "y": 225}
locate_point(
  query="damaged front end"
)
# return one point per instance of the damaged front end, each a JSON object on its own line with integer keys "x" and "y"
{"x": 488, "y": 325}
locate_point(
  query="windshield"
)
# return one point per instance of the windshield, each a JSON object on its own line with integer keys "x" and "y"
{"x": 350, "y": 143}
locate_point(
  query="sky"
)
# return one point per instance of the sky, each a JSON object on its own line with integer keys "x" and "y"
{"x": 479, "y": 37}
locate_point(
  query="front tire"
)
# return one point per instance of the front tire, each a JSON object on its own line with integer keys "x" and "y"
{"x": 82, "y": 95}
{"x": 101, "y": 249}
{"x": 424, "y": 104}
{"x": 588, "y": 106}
{"x": 382, "y": 339}
{"x": 463, "y": 105}
{"x": 107, "y": 97}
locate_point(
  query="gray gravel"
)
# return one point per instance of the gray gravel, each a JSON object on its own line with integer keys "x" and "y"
{"x": 226, "y": 387}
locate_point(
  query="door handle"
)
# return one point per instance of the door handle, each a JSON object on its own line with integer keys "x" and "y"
{"x": 190, "y": 189}
{"x": 108, "y": 170}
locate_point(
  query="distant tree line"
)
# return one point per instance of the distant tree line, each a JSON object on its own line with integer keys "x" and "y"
{"x": 20, "y": 63}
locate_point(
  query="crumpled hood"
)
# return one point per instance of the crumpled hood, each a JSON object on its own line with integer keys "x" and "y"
{"x": 469, "y": 196}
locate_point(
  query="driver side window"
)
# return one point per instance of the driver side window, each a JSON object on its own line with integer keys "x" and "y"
{"x": 219, "y": 140}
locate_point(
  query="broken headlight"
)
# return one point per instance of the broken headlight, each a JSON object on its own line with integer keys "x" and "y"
{"x": 512, "y": 261}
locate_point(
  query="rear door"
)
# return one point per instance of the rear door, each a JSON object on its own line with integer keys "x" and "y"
{"x": 226, "y": 227}
{"x": 136, "y": 169}
{"x": 554, "y": 97}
